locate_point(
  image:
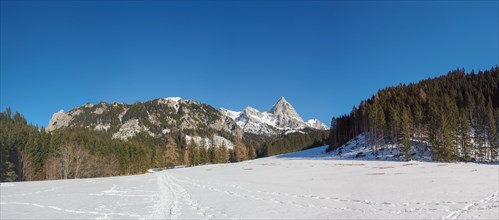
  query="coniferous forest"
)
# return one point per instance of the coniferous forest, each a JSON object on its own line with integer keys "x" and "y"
{"x": 456, "y": 115}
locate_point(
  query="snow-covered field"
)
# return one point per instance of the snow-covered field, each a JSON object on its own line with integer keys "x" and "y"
{"x": 306, "y": 184}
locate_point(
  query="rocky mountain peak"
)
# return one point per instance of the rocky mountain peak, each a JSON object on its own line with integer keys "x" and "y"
{"x": 281, "y": 118}
{"x": 250, "y": 111}
{"x": 283, "y": 110}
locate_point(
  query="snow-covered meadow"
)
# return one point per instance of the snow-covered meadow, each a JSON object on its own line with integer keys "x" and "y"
{"x": 305, "y": 185}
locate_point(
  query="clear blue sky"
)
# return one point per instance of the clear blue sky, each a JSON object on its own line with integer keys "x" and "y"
{"x": 323, "y": 56}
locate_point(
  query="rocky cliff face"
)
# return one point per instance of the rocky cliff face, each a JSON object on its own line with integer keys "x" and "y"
{"x": 282, "y": 118}
{"x": 286, "y": 116}
{"x": 157, "y": 117}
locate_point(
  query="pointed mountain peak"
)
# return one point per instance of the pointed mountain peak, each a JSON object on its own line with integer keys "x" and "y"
{"x": 282, "y": 100}
{"x": 284, "y": 108}
{"x": 279, "y": 105}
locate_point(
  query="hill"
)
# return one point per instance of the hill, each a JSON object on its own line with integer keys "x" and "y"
{"x": 456, "y": 116}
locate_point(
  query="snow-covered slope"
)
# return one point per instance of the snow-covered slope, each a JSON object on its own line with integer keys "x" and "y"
{"x": 302, "y": 185}
{"x": 281, "y": 118}
{"x": 358, "y": 148}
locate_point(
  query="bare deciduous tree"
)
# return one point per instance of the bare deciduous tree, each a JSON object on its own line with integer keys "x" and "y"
{"x": 75, "y": 161}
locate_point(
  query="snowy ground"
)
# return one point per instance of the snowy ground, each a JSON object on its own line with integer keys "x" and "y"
{"x": 307, "y": 185}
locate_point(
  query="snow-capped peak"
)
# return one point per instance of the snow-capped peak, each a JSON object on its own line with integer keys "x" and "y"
{"x": 229, "y": 113}
{"x": 315, "y": 123}
{"x": 285, "y": 113}
{"x": 173, "y": 99}
{"x": 280, "y": 119}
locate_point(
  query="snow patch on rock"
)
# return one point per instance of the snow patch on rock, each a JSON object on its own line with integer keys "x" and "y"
{"x": 89, "y": 105}
{"x": 100, "y": 110}
{"x": 166, "y": 131}
{"x": 173, "y": 102}
{"x": 101, "y": 127}
{"x": 218, "y": 141}
{"x": 130, "y": 129}
{"x": 120, "y": 116}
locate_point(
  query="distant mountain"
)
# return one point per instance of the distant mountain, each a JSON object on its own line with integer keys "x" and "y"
{"x": 196, "y": 121}
{"x": 282, "y": 118}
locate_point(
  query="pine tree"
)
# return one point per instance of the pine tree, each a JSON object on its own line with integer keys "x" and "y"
{"x": 171, "y": 153}
{"x": 158, "y": 157}
{"x": 394, "y": 120}
{"x": 224, "y": 154}
{"x": 251, "y": 153}
{"x": 8, "y": 173}
{"x": 492, "y": 131}
{"x": 187, "y": 156}
{"x": 406, "y": 142}
{"x": 464, "y": 136}
{"x": 435, "y": 130}
{"x": 205, "y": 156}
{"x": 452, "y": 124}
{"x": 418, "y": 120}
{"x": 480, "y": 133}
{"x": 195, "y": 153}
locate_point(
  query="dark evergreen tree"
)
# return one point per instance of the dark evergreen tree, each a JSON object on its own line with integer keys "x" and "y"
{"x": 491, "y": 131}
{"x": 406, "y": 142}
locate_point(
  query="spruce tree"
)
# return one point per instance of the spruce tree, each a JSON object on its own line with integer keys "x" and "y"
{"x": 452, "y": 123}
{"x": 187, "y": 155}
{"x": 251, "y": 153}
{"x": 406, "y": 142}
{"x": 224, "y": 154}
{"x": 465, "y": 136}
{"x": 195, "y": 153}
{"x": 213, "y": 155}
{"x": 491, "y": 131}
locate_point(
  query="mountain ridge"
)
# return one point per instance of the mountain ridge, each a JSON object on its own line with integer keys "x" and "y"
{"x": 281, "y": 118}
{"x": 196, "y": 121}
{"x": 157, "y": 118}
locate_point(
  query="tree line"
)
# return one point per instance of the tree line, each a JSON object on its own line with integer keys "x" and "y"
{"x": 294, "y": 142}
{"x": 456, "y": 115}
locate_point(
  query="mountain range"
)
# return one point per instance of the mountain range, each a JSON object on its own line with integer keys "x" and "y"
{"x": 282, "y": 118}
{"x": 198, "y": 122}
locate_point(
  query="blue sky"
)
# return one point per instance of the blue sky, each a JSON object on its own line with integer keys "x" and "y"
{"x": 323, "y": 56}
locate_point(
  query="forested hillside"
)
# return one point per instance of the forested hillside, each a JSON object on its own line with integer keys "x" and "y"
{"x": 456, "y": 114}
